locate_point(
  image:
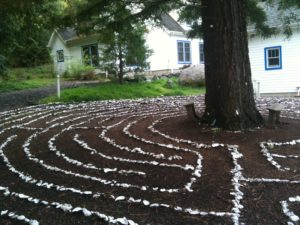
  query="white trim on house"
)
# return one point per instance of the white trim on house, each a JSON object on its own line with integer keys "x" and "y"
{"x": 283, "y": 79}
{"x": 161, "y": 40}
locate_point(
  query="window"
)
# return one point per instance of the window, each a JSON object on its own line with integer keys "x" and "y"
{"x": 90, "y": 55}
{"x": 201, "y": 52}
{"x": 273, "y": 60}
{"x": 60, "y": 56}
{"x": 184, "y": 51}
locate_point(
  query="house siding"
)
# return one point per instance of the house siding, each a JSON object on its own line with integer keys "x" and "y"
{"x": 59, "y": 67}
{"x": 284, "y": 80}
{"x": 164, "y": 46}
{"x": 72, "y": 53}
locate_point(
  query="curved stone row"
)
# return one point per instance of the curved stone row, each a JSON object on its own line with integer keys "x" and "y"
{"x": 121, "y": 169}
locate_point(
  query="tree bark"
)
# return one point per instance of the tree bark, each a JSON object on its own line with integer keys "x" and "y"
{"x": 121, "y": 64}
{"x": 229, "y": 96}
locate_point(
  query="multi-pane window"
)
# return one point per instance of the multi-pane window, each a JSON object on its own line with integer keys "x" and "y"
{"x": 60, "y": 56}
{"x": 90, "y": 55}
{"x": 201, "y": 52}
{"x": 184, "y": 51}
{"x": 273, "y": 59}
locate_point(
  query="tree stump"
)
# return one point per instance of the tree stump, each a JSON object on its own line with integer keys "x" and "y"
{"x": 191, "y": 112}
{"x": 274, "y": 113}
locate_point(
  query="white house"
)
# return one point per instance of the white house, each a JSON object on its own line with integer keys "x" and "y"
{"x": 274, "y": 63}
{"x": 67, "y": 48}
{"x": 171, "y": 47}
{"x": 275, "y": 60}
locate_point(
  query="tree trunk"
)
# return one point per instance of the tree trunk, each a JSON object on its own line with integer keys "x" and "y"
{"x": 121, "y": 64}
{"x": 229, "y": 91}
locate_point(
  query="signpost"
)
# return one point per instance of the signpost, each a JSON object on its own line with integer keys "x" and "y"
{"x": 58, "y": 85}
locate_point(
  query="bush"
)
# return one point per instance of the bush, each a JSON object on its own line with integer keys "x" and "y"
{"x": 3, "y": 69}
{"x": 27, "y": 73}
{"x": 80, "y": 72}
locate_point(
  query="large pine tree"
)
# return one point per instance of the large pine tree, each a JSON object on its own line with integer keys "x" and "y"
{"x": 223, "y": 26}
{"x": 229, "y": 93}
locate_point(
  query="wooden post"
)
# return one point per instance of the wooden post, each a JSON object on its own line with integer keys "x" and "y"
{"x": 274, "y": 114}
{"x": 191, "y": 112}
{"x": 58, "y": 85}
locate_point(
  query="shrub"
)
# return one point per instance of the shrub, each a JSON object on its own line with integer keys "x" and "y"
{"x": 27, "y": 73}
{"x": 3, "y": 69}
{"x": 80, "y": 72}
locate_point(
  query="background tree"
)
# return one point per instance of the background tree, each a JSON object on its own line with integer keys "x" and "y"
{"x": 123, "y": 48}
{"x": 229, "y": 92}
{"x": 229, "y": 98}
{"x": 121, "y": 35}
{"x": 25, "y": 27}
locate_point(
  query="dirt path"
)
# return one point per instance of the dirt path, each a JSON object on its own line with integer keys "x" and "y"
{"x": 29, "y": 97}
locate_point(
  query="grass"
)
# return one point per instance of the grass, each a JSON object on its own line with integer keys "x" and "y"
{"x": 27, "y": 78}
{"x": 113, "y": 90}
{"x": 16, "y": 85}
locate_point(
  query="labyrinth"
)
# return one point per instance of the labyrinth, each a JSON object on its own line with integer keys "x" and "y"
{"x": 143, "y": 162}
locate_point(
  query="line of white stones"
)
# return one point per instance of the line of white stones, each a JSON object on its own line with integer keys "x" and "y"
{"x": 265, "y": 146}
{"x": 41, "y": 183}
{"x": 53, "y": 148}
{"x": 68, "y": 208}
{"x": 78, "y": 163}
{"x": 16, "y": 216}
{"x": 137, "y": 150}
{"x": 61, "y": 188}
{"x": 294, "y": 219}
{"x": 32, "y": 157}
{"x": 236, "y": 171}
{"x": 198, "y": 169}
{"x": 47, "y": 185}
{"x": 175, "y": 139}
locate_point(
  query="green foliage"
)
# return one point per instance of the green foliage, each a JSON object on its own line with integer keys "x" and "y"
{"x": 80, "y": 71}
{"x": 3, "y": 69}
{"x": 258, "y": 17}
{"x": 27, "y": 78}
{"x": 25, "y": 28}
{"x": 121, "y": 34}
{"x": 17, "y": 85}
{"x": 127, "y": 47}
{"x": 38, "y": 72}
{"x": 111, "y": 90}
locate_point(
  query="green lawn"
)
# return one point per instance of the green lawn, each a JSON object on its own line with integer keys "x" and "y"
{"x": 112, "y": 90}
{"x": 27, "y": 78}
{"x": 15, "y": 85}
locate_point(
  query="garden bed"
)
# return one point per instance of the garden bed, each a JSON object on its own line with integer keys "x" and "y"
{"x": 143, "y": 162}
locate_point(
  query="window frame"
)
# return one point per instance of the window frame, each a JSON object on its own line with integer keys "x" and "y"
{"x": 201, "y": 52}
{"x": 60, "y": 57}
{"x": 277, "y": 67}
{"x": 184, "y": 42}
{"x": 90, "y": 61}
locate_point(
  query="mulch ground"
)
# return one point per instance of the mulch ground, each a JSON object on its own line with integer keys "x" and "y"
{"x": 143, "y": 162}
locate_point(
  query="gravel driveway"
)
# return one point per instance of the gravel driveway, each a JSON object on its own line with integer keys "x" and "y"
{"x": 29, "y": 97}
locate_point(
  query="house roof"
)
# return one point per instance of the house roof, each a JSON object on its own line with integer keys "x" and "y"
{"x": 68, "y": 34}
{"x": 275, "y": 17}
{"x": 169, "y": 23}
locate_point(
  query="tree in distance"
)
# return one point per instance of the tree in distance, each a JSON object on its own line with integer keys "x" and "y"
{"x": 223, "y": 25}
